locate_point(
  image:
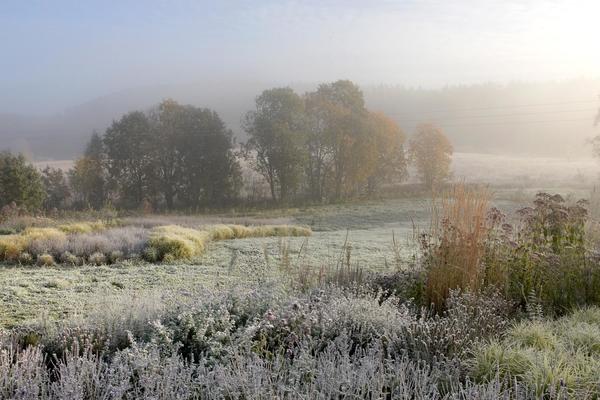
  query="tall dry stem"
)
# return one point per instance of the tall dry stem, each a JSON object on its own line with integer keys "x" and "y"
{"x": 455, "y": 246}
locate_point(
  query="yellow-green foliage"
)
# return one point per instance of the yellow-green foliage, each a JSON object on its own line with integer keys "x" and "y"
{"x": 32, "y": 234}
{"x": 11, "y": 247}
{"x": 240, "y": 231}
{"x": 537, "y": 335}
{"x": 224, "y": 232}
{"x": 178, "y": 242}
{"x": 547, "y": 356}
{"x": 280, "y": 230}
{"x": 83, "y": 227}
{"x": 45, "y": 260}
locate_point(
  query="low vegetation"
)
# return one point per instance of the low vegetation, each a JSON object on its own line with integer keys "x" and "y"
{"x": 486, "y": 306}
{"x": 100, "y": 242}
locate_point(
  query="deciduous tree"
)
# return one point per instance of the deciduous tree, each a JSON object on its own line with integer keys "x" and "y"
{"x": 390, "y": 160}
{"x": 88, "y": 175}
{"x": 431, "y": 152}
{"x": 58, "y": 192}
{"x": 20, "y": 182}
{"x": 128, "y": 146}
{"x": 277, "y": 136}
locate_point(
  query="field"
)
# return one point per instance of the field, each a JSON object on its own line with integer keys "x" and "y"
{"x": 365, "y": 231}
{"x": 336, "y": 301}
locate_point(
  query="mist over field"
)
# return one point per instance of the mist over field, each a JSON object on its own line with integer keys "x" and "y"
{"x": 502, "y": 78}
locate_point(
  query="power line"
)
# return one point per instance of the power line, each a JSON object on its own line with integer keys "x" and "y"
{"x": 502, "y": 107}
{"x": 501, "y": 115}
{"x": 513, "y": 123}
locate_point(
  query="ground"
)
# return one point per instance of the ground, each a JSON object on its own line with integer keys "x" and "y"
{"x": 366, "y": 231}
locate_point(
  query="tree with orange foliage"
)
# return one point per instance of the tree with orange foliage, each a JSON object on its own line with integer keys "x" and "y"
{"x": 388, "y": 157}
{"x": 431, "y": 152}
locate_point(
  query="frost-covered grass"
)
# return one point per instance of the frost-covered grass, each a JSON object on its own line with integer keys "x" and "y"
{"x": 252, "y": 343}
{"x": 258, "y": 311}
{"x": 549, "y": 356}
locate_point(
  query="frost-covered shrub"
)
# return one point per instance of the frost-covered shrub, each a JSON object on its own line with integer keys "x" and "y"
{"x": 179, "y": 242}
{"x": 97, "y": 258}
{"x": 25, "y": 258}
{"x": 45, "y": 260}
{"x": 69, "y": 258}
{"x": 146, "y": 370}
{"x": 115, "y": 256}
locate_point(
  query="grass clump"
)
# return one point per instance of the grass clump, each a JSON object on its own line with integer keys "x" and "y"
{"x": 549, "y": 357}
{"x": 45, "y": 260}
{"x": 25, "y": 258}
{"x": 97, "y": 258}
{"x": 225, "y": 232}
{"x": 456, "y": 245}
{"x": 83, "y": 227}
{"x": 280, "y": 230}
{"x": 534, "y": 334}
{"x": 11, "y": 247}
{"x": 178, "y": 242}
{"x": 43, "y": 234}
{"x": 69, "y": 258}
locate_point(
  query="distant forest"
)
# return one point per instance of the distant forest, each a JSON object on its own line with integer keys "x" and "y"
{"x": 544, "y": 118}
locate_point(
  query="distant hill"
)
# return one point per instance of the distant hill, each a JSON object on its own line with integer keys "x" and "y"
{"x": 544, "y": 119}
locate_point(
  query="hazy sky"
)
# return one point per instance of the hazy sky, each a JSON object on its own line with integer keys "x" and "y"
{"x": 58, "y": 53}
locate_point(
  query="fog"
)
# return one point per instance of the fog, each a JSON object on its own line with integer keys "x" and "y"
{"x": 499, "y": 76}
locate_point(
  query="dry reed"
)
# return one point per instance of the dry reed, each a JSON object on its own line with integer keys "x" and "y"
{"x": 456, "y": 245}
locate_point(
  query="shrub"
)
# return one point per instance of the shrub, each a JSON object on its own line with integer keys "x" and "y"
{"x": 97, "y": 258}
{"x": 82, "y": 227}
{"x": 179, "y": 242}
{"x": 223, "y": 232}
{"x": 115, "y": 256}
{"x": 279, "y": 230}
{"x": 251, "y": 344}
{"x": 25, "y": 258}
{"x": 169, "y": 258}
{"x": 543, "y": 261}
{"x": 150, "y": 254}
{"x": 546, "y": 260}
{"x": 240, "y": 231}
{"x": 32, "y": 234}
{"x": 45, "y": 260}
{"x": 127, "y": 240}
{"x": 11, "y": 247}
{"x": 69, "y": 258}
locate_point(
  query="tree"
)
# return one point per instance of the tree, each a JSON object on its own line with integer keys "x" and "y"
{"x": 337, "y": 121}
{"x": 431, "y": 151}
{"x": 20, "y": 182}
{"x": 58, "y": 192}
{"x": 168, "y": 127}
{"x": 128, "y": 146}
{"x": 88, "y": 175}
{"x": 276, "y": 130}
{"x": 390, "y": 160}
{"x": 210, "y": 171}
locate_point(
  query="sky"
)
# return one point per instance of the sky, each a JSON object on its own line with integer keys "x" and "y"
{"x": 58, "y": 53}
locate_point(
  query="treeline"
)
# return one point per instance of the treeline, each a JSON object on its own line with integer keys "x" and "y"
{"x": 317, "y": 147}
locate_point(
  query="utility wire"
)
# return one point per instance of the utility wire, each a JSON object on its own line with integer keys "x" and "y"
{"x": 445, "y": 118}
{"x": 517, "y": 123}
{"x": 503, "y": 107}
